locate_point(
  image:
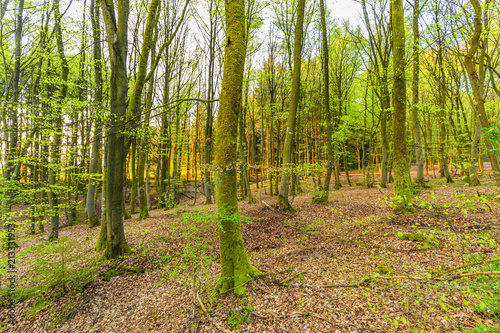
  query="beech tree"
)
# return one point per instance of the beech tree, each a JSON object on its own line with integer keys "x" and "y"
{"x": 116, "y": 29}
{"x": 402, "y": 181}
{"x": 292, "y": 115}
{"x": 472, "y": 71}
{"x": 235, "y": 266}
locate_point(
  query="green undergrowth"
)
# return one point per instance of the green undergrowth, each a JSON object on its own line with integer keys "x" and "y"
{"x": 484, "y": 294}
{"x": 240, "y": 314}
{"x": 196, "y": 253}
{"x": 190, "y": 259}
{"x": 52, "y": 270}
{"x": 427, "y": 240}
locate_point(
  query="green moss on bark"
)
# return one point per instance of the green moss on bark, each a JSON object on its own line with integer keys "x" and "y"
{"x": 102, "y": 238}
{"x": 236, "y": 269}
{"x": 94, "y": 221}
{"x": 402, "y": 181}
{"x": 144, "y": 214}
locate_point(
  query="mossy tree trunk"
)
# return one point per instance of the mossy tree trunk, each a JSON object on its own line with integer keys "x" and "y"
{"x": 402, "y": 181}
{"x": 92, "y": 218}
{"x": 474, "y": 76}
{"x": 103, "y": 232}
{"x": 236, "y": 269}
{"x": 116, "y": 28}
{"x": 292, "y": 115}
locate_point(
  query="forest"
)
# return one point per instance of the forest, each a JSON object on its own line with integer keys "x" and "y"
{"x": 250, "y": 166}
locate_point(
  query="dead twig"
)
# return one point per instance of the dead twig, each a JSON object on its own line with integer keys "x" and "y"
{"x": 282, "y": 282}
{"x": 339, "y": 285}
{"x": 209, "y": 318}
{"x": 258, "y": 286}
{"x": 307, "y": 314}
{"x": 267, "y": 205}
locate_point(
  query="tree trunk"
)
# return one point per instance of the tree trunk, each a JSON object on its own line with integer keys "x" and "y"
{"x": 236, "y": 269}
{"x": 326, "y": 105}
{"x": 292, "y": 115}
{"x": 472, "y": 71}
{"x": 56, "y": 141}
{"x": 92, "y": 218}
{"x": 415, "y": 95}
{"x": 9, "y": 173}
{"x": 116, "y": 29}
{"x": 402, "y": 180}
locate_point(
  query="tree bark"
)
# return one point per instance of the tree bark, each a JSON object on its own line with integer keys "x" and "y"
{"x": 235, "y": 266}
{"x": 326, "y": 105}
{"x": 415, "y": 95}
{"x": 116, "y": 28}
{"x": 92, "y": 218}
{"x": 472, "y": 71}
{"x": 402, "y": 181}
{"x": 56, "y": 141}
{"x": 292, "y": 115}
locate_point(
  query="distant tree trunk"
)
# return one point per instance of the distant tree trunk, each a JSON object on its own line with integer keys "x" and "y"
{"x": 402, "y": 180}
{"x": 165, "y": 141}
{"x": 326, "y": 105}
{"x": 133, "y": 170}
{"x": 92, "y": 218}
{"x": 415, "y": 95}
{"x": 116, "y": 28}
{"x": 235, "y": 266}
{"x": 56, "y": 141}
{"x": 144, "y": 146}
{"x": 474, "y": 150}
{"x": 292, "y": 115}
{"x": 213, "y": 6}
{"x": 385, "y": 101}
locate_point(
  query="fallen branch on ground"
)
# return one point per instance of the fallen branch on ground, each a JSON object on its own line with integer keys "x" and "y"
{"x": 340, "y": 285}
{"x": 267, "y": 205}
{"x": 209, "y": 318}
{"x": 283, "y": 282}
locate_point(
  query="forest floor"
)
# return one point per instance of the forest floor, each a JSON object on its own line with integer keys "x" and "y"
{"x": 341, "y": 267}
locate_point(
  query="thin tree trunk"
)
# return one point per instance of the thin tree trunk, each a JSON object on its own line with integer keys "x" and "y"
{"x": 56, "y": 141}
{"x": 326, "y": 105}
{"x": 292, "y": 115}
{"x": 92, "y": 218}
{"x": 415, "y": 95}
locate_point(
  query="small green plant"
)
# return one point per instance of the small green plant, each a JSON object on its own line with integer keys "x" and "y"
{"x": 55, "y": 269}
{"x": 383, "y": 268}
{"x": 239, "y": 316}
